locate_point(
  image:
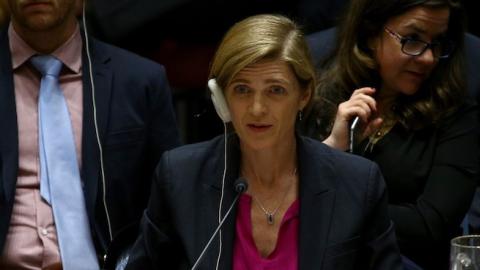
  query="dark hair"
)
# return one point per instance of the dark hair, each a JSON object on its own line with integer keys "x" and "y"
{"x": 353, "y": 66}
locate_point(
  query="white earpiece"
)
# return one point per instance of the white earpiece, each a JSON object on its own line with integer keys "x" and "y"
{"x": 219, "y": 101}
{"x": 223, "y": 112}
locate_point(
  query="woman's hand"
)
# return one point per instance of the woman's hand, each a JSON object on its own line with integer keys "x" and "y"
{"x": 361, "y": 104}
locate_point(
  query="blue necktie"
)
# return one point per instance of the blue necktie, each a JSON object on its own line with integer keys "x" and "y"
{"x": 60, "y": 183}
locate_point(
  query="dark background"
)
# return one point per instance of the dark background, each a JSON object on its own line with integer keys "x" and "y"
{"x": 183, "y": 35}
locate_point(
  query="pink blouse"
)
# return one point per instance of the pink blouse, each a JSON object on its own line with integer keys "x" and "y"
{"x": 285, "y": 254}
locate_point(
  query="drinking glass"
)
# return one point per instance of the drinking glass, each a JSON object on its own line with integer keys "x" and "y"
{"x": 465, "y": 253}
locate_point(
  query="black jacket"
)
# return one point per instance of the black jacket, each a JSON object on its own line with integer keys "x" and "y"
{"x": 343, "y": 210}
{"x": 136, "y": 125}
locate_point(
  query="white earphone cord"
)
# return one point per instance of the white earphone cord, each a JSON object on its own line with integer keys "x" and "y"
{"x": 221, "y": 198}
{"x": 87, "y": 49}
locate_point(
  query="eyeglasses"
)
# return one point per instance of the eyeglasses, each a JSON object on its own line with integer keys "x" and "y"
{"x": 415, "y": 47}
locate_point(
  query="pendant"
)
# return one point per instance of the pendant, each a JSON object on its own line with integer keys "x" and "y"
{"x": 270, "y": 218}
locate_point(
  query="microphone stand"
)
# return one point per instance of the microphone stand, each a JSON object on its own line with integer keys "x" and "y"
{"x": 240, "y": 187}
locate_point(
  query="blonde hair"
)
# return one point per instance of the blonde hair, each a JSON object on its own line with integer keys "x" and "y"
{"x": 263, "y": 37}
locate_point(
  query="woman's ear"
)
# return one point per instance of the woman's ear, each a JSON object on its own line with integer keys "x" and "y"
{"x": 305, "y": 98}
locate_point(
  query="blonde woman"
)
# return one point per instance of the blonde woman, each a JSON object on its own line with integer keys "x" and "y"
{"x": 307, "y": 206}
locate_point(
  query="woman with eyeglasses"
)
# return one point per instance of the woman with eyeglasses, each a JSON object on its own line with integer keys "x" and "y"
{"x": 398, "y": 76}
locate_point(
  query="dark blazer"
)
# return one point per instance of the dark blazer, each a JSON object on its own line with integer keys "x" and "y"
{"x": 136, "y": 125}
{"x": 472, "y": 45}
{"x": 417, "y": 166}
{"x": 343, "y": 210}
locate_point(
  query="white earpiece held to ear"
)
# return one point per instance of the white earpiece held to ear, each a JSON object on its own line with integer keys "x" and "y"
{"x": 219, "y": 101}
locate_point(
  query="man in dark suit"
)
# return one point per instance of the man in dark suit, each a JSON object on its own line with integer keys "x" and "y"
{"x": 472, "y": 45}
{"x": 121, "y": 126}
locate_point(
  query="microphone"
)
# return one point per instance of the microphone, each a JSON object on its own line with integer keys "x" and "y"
{"x": 352, "y": 130}
{"x": 240, "y": 186}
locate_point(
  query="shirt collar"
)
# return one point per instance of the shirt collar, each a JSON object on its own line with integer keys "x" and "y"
{"x": 70, "y": 52}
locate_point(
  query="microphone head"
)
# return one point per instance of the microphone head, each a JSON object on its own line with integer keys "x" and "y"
{"x": 240, "y": 185}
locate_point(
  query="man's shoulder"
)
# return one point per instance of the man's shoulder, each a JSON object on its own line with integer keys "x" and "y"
{"x": 321, "y": 44}
{"x": 123, "y": 58}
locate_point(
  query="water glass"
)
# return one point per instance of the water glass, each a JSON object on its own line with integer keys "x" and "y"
{"x": 465, "y": 253}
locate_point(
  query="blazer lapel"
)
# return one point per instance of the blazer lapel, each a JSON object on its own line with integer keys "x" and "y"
{"x": 317, "y": 200}
{"x": 9, "y": 138}
{"x": 214, "y": 189}
{"x": 8, "y": 126}
{"x": 102, "y": 78}
{"x": 317, "y": 197}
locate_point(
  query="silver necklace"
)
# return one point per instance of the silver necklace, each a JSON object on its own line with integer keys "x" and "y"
{"x": 271, "y": 215}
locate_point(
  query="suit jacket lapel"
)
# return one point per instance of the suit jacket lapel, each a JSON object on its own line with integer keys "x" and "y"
{"x": 8, "y": 124}
{"x": 102, "y": 78}
{"x": 9, "y": 139}
{"x": 214, "y": 188}
{"x": 317, "y": 196}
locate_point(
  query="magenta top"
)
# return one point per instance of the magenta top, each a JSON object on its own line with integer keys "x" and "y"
{"x": 285, "y": 254}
